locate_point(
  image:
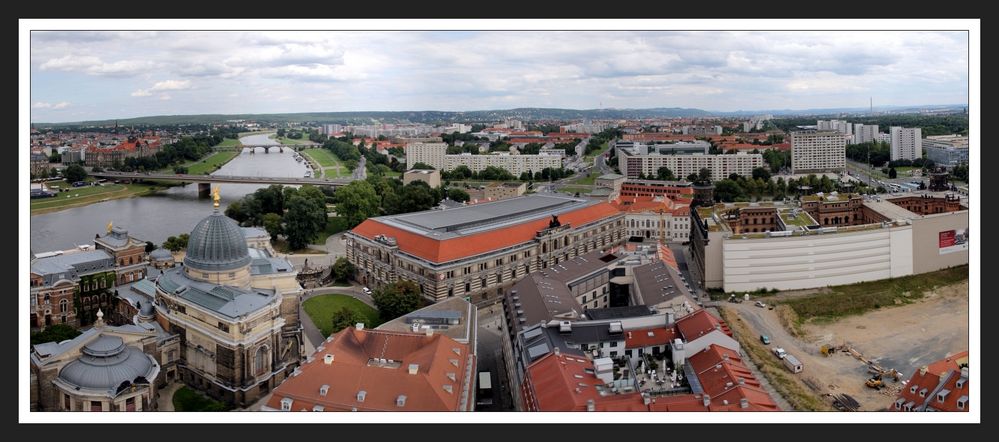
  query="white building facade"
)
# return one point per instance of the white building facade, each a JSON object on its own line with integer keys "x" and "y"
{"x": 820, "y": 151}
{"x": 906, "y": 143}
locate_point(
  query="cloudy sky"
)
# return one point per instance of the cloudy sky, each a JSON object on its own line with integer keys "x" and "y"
{"x": 100, "y": 75}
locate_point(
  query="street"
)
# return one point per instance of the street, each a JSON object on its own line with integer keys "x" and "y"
{"x": 490, "y": 358}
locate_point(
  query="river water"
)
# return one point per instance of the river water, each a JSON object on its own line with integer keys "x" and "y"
{"x": 166, "y": 213}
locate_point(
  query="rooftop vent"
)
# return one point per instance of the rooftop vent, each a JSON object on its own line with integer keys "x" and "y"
{"x": 454, "y": 362}
{"x": 414, "y": 368}
{"x": 323, "y": 390}
{"x": 429, "y": 331}
{"x": 448, "y": 388}
{"x": 400, "y": 401}
{"x": 359, "y": 326}
{"x": 451, "y": 376}
{"x": 707, "y": 400}
{"x": 456, "y": 350}
{"x": 328, "y": 359}
{"x": 564, "y": 327}
{"x": 318, "y": 408}
{"x": 360, "y": 395}
{"x": 615, "y": 327}
{"x": 591, "y": 405}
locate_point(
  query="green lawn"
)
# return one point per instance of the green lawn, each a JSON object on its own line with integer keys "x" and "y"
{"x": 854, "y": 299}
{"x": 324, "y": 158}
{"x": 801, "y": 220}
{"x": 212, "y": 163}
{"x": 589, "y": 179}
{"x": 287, "y": 141}
{"x": 186, "y": 399}
{"x": 594, "y": 154}
{"x": 321, "y": 308}
{"x": 229, "y": 142}
{"x": 334, "y": 225}
{"x": 77, "y": 196}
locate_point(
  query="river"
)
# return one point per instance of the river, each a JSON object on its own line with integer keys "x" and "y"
{"x": 165, "y": 213}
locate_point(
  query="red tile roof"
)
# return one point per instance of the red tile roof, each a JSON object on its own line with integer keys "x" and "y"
{"x": 554, "y": 381}
{"x": 699, "y": 323}
{"x": 351, "y": 372}
{"x": 441, "y": 251}
{"x": 726, "y": 380}
{"x": 639, "y": 204}
{"x": 649, "y": 337}
{"x": 948, "y": 369}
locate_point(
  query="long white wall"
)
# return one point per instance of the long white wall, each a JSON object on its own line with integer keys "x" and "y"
{"x": 812, "y": 261}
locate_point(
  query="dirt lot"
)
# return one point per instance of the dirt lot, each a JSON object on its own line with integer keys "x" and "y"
{"x": 903, "y": 338}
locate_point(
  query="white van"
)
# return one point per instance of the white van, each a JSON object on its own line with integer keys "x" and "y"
{"x": 792, "y": 363}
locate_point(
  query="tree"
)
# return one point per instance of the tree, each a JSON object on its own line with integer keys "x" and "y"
{"x": 179, "y": 169}
{"x": 891, "y": 173}
{"x": 345, "y": 317}
{"x": 423, "y": 166}
{"x": 342, "y": 269}
{"x": 74, "y": 173}
{"x": 272, "y": 223}
{"x": 704, "y": 175}
{"x": 665, "y": 174}
{"x": 727, "y": 191}
{"x": 692, "y": 177}
{"x": 55, "y": 157}
{"x": 304, "y": 220}
{"x": 235, "y": 211}
{"x": 54, "y": 333}
{"x": 176, "y": 243}
{"x": 761, "y": 173}
{"x": 397, "y": 299}
{"x": 280, "y": 133}
{"x": 458, "y": 195}
{"x": 357, "y": 202}
{"x": 150, "y": 246}
{"x": 461, "y": 173}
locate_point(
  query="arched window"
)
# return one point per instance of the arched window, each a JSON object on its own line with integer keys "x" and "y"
{"x": 63, "y": 306}
{"x": 260, "y": 360}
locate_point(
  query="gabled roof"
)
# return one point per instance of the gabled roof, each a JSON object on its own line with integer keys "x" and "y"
{"x": 724, "y": 377}
{"x": 562, "y": 383}
{"x": 700, "y": 323}
{"x": 355, "y": 367}
{"x": 649, "y": 337}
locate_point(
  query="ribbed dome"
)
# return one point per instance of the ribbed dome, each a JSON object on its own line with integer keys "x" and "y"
{"x": 217, "y": 243}
{"x": 106, "y": 363}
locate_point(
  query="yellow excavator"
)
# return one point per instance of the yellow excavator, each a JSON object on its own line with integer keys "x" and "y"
{"x": 875, "y": 382}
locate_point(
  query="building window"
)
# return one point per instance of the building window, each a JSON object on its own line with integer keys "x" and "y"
{"x": 63, "y": 306}
{"x": 260, "y": 360}
{"x": 232, "y": 274}
{"x": 96, "y": 406}
{"x": 224, "y": 327}
{"x": 468, "y": 287}
{"x": 66, "y": 404}
{"x": 130, "y": 404}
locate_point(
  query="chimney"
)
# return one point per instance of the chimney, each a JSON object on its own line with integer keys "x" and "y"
{"x": 743, "y": 403}
{"x": 430, "y": 331}
{"x": 359, "y": 326}
{"x": 328, "y": 359}
{"x": 922, "y": 370}
{"x": 400, "y": 401}
{"x": 360, "y": 395}
{"x": 707, "y": 400}
{"x": 557, "y": 351}
{"x": 414, "y": 368}
{"x": 323, "y": 390}
{"x": 590, "y": 405}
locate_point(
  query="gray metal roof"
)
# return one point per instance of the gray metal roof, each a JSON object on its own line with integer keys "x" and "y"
{"x": 116, "y": 238}
{"x": 71, "y": 265}
{"x": 106, "y": 362}
{"x": 161, "y": 255}
{"x": 216, "y": 244}
{"x": 255, "y": 232}
{"x": 629, "y": 311}
{"x": 449, "y": 223}
{"x": 228, "y": 301}
{"x": 658, "y": 282}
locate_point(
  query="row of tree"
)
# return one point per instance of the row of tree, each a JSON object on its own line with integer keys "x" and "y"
{"x": 740, "y": 188}
{"x": 186, "y": 149}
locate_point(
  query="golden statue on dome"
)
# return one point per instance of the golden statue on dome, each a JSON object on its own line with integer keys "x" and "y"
{"x": 215, "y": 197}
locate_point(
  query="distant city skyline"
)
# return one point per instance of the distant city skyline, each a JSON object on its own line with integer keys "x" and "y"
{"x": 95, "y": 75}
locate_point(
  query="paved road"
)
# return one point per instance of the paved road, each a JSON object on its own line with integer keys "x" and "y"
{"x": 490, "y": 358}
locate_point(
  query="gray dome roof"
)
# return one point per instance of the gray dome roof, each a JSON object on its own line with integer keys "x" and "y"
{"x": 217, "y": 243}
{"x": 161, "y": 255}
{"x": 106, "y": 363}
{"x": 147, "y": 309}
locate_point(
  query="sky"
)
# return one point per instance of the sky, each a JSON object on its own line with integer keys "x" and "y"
{"x": 91, "y": 75}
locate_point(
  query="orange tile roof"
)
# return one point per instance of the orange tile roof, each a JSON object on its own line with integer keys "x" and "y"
{"x": 935, "y": 372}
{"x": 726, "y": 380}
{"x": 666, "y": 256}
{"x": 554, "y": 380}
{"x": 350, "y": 372}
{"x": 641, "y": 338}
{"x": 699, "y": 323}
{"x": 645, "y": 203}
{"x": 440, "y": 251}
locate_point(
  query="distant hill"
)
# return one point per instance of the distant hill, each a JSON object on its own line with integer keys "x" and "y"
{"x": 431, "y": 117}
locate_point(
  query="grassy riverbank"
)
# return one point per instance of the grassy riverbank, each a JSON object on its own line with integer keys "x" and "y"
{"x": 82, "y": 196}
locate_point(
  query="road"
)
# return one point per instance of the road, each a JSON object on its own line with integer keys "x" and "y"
{"x": 490, "y": 358}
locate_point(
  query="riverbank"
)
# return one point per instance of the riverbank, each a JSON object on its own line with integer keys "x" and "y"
{"x": 82, "y": 196}
{"x": 291, "y": 141}
{"x": 212, "y": 163}
{"x": 326, "y": 163}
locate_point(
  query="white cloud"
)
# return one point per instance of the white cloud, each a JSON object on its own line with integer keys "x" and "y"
{"x": 171, "y": 85}
{"x": 141, "y": 93}
{"x": 47, "y": 105}
{"x": 95, "y": 66}
{"x": 164, "y": 97}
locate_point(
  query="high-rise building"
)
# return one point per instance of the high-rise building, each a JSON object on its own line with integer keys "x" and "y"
{"x": 838, "y": 125}
{"x": 436, "y": 156}
{"x": 906, "y": 143}
{"x": 817, "y": 151}
{"x": 865, "y": 133}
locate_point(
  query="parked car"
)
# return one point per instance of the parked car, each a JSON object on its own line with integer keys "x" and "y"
{"x": 760, "y": 304}
{"x": 366, "y": 290}
{"x": 79, "y": 184}
{"x": 765, "y": 339}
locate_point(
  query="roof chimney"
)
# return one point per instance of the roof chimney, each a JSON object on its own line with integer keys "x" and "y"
{"x": 400, "y": 401}
{"x": 743, "y": 403}
{"x": 707, "y": 400}
{"x": 590, "y": 405}
{"x": 414, "y": 368}
{"x": 360, "y": 395}
{"x": 328, "y": 359}
{"x": 359, "y": 326}
{"x": 448, "y": 388}
{"x": 323, "y": 390}
{"x": 430, "y": 331}
{"x": 922, "y": 370}
{"x": 557, "y": 351}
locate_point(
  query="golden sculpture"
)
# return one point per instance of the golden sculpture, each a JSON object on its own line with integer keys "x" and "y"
{"x": 109, "y": 226}
{"x": 216, "y": 198}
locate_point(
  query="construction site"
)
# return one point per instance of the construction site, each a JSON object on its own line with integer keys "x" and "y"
{"x": 861, "y": 362}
